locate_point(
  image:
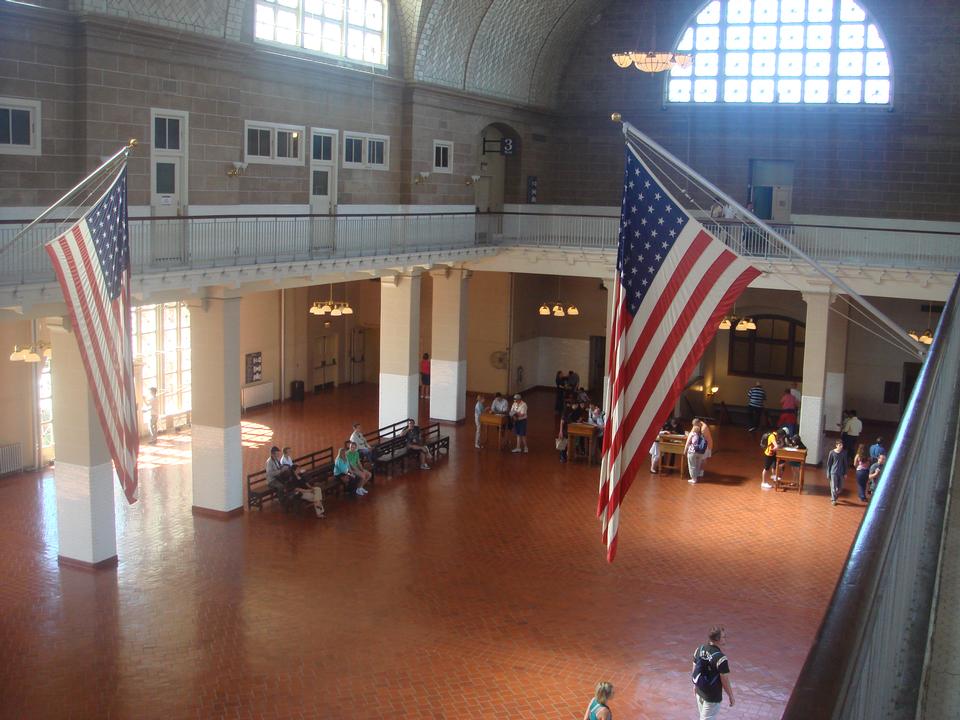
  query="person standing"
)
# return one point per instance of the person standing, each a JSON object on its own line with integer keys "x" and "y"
{"x": 773, "y": 443}
{"x": 598, "y": 709}
{"x": 561, "y": 382}
{"x": 836, "y": 469}
{"x": 788, "y": 412}
{"x": 711, "y": 674}
{"x": 477, "y": 412}
{"x": 850, "y": 433}
{"x": 861, "y": 465}
{"x": 151, "y": 408}
{"x": 877, "y": 449}
{"x": 573, "y": 380}
{"x": 876, "y": 470}
{"x": 696, "y": 450}
{"x": 425, "y": 376}
{"x": 756, "y": 397}
{"x": 518, "y": 412}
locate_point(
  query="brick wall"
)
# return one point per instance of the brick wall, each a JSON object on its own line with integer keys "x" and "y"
{"x": 848, "y": 161}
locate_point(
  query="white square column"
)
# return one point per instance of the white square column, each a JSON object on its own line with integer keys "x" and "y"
{"x": 399, "y": 343}
{"x": 215, "y": 415}
{"x": 824, "y": 362}
{"x": 83, "y": 472}
{"x": 448, "y": 359}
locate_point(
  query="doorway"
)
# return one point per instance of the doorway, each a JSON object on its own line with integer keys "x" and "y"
{"x": 168, "y": 184}
{"x": 325, "y": 371}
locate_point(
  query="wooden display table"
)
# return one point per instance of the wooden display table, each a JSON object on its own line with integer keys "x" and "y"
{"x": 584, "y": 430}
{"x": 672, "y": 445}
{"x": 785, "y": 456}
{"x": 489, "y": 420}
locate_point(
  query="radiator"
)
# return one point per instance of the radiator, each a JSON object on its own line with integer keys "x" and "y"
{"x": 253, "y": 395}
{"x": 11, "y": 459}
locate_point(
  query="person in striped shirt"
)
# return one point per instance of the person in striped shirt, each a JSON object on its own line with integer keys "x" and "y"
{"x": 756, "y": 397}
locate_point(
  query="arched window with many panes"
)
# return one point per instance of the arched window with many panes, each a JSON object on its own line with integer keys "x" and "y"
{"x": 783, "y": 52}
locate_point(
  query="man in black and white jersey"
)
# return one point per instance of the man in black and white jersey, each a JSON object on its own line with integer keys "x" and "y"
{"x": 756, "y": 398}
{"x": 711, "y": 674}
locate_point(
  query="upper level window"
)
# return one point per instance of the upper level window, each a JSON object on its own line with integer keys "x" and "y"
{"x": 273, "y": 143}
{"x": 784, "y": 52}
{"x": 19, "y": 126}
{"x": 363, "y": 150}
{"x": 774, "y": 350}
{"x": 351, "y": 29}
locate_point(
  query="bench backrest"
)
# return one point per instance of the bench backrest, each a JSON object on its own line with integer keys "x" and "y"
{"x": 316, "y": 460}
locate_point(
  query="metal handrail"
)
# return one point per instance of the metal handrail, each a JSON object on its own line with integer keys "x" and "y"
{"x": 867, "y": 657}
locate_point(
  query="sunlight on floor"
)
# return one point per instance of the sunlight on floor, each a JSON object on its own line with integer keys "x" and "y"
{"x": 174, "y": 449}
{"x": 254, "y": 435}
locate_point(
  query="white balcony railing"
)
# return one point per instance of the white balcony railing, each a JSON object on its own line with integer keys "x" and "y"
{"x": 163, "y": 244}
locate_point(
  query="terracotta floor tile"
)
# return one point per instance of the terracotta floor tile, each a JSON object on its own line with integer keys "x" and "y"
{"x": 477, "y": 589}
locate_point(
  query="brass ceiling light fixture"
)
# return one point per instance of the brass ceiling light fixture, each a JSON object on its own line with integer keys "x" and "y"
{"x": 334, "y": 308}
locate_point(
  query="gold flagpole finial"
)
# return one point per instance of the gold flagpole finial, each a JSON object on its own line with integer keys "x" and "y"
{"x": 616, "y": 117}
{"x": 132, "y": 143}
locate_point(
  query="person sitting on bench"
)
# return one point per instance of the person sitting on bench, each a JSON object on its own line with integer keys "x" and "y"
{"x": 284, "y": 481}
{"x": 356, "y": 467}
{"x": 413, "y": 437}
{"x": 343, "y": 473}
{"x": 286, "y": 459}
{"x": 363, "y": 447}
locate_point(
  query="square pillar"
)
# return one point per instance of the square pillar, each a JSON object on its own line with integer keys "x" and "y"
{"x": 399, "y": 343}
{"x": 215, "y": 415}
{"x": 824, "y": 360}
{"x": 448, "y": 359}
{"x": 83, "y": 471}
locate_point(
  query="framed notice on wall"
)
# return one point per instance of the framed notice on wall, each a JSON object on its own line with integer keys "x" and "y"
{"x": 254, "y": 367}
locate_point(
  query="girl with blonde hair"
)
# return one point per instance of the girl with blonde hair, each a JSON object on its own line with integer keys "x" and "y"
{"x": 598, "y": 709}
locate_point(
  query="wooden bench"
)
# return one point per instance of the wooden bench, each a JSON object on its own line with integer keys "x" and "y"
{"x": 317, "y": 469}
{"x": 391, "y": 449}
{"x": 435, "y": 441}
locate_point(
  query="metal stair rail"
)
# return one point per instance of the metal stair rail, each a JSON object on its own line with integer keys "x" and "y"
{"x": 868, "y": 656}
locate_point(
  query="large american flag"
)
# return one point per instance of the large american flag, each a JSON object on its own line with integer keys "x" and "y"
{"x": 92, "y": 262}
{"x": 676, "y": 282}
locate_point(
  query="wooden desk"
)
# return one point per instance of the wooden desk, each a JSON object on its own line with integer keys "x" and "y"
{"x": 672, "y": 445}
{"x": 585, "y": 430}
{"x": 785, "y": 456}
{"x": 488, "y": 420}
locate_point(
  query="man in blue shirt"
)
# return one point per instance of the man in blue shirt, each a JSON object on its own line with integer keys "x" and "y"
{"x": 877, "y": 449}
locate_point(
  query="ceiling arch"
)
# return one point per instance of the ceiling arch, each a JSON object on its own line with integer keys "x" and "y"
{"x": 509, "y": 49}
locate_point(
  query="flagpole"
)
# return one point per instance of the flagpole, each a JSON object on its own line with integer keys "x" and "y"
{"x": 125, "y": 151}
{"x": 629, "y": 129}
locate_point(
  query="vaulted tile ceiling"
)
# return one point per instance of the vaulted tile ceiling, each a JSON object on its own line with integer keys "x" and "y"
{"x": 510, "y": 49}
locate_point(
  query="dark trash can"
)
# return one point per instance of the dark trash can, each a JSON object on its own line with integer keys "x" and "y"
{"x": 296, "y": 390}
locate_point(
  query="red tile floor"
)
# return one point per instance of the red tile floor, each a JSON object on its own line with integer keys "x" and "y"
{"x": 477, "y": 589}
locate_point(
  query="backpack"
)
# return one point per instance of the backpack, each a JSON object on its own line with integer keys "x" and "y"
{"x": 700, "y": 445}
{"x": 705, "y": 675}
{"x": 763, "y": 440}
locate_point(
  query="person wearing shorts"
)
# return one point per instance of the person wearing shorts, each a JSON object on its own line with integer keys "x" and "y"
{"x": 771, "y": 446}
{"x": 425, "y": 376}
{"x": 518, "y": 412}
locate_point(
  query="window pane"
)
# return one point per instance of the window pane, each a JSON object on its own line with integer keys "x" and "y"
{"x": 738, "y": 64}
{"x": 46, "y": 432}
{"x": 816, "y": 91}
{"x": 705, "y": 64}
{"x": 792, "y": 10}
{"x": 849, "y": 91}
{"x": 819, "y": 10}
{"x": 284, "y": 144}
{"x": 761, "y": 358}
{"x": 819, "y": 37}
{"x": 781, "y": 329}
{"x": 312, "y": 34}
{"x": 375, "y": 152}
{"x": 4, "y": 126}
{"x": 286, "y": 29}
{"x": 374, "y": 15}
{"x": 265, "y": 23}
{"x": 735, "y": 91}
{"x": 355, "y": 12}
{"x": 708, "y": 38}
{"x": 764, "y": 38}
{"x": 761, "y": 91}
{"x": 874, "y": 41}
{"x": 352, "y": 150}
{"x": 764, "y": 64}
{"x": 173, "y": 133}
{"x": 710, "y": 15}
{"x": 876, "y": 91}
{"x": 765, "y": 11}
{"x": 705, "y": 91}
{"x": 799, "y": 335}
{"x": 148, "y": 344}
{"x": 354, "y": 44}
{"x": 738, "y": 11}
{"x": 850, "y": 64}
{"x": 686, "y": 42}
{"x": 166, "y": 178}
{"x": 791, "y": 37}
{"x": 321, "y": 179}
{"x": 372, "y": 48}
{"x": 851, "y": 37}
{"x": 849, "y": 10}
{"x": 20, "y": 127}
{"x": 46, "y": 411}
{"x": 738, "y": 38}
{"x": 160, "y": 133}
{"x": 740, "y": 357}
{"x": 818, "y": 64}
{"x": 679, "y": 91}
{"x": 332, "y": 38}
{"x": 148, "y": 318}
{"x": 170, "y": 361}
{"x": 790, "y": 64}
{"x": 333, "y": 9}
{"x": 677, "y": 71}
{"x": 778, "y": 360}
